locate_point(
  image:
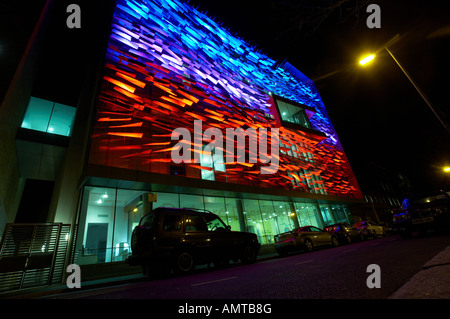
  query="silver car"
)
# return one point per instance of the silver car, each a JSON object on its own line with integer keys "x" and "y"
{"x": 369, "y": 228}
{"x": 303, "y": 238}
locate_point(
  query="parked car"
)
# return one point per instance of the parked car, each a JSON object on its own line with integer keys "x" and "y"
{"x": 303, "y": 238}
{"x": 179, "y": 239}
{"x": 429, "y": 212}
{"x": 369, "y": 229}
{"x": 345, "y": 233}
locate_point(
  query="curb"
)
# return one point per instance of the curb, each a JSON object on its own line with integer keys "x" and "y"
{"x": 432, "y": 282}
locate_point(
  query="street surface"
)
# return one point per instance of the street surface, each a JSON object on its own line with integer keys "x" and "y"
{"x": 330, "y": 273}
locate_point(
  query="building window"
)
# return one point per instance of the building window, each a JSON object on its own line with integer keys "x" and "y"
{"x": 50, "y": 117}
{"x": 292, "y": 112}
{"x": 305, "y": 214}
{"x": 108, "y": 217}
{"x": 213, "y": 162}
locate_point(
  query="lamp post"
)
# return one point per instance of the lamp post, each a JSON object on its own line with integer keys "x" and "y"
{"x": 371, "y": 57}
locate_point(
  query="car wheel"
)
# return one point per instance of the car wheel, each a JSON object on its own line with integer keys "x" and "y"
{"x": 335, "y": 243}
{"x": 184, "y": 262}
{"x": 308, "y": 245}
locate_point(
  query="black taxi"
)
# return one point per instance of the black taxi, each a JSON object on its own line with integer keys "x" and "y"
{"x": 178, "y": 239}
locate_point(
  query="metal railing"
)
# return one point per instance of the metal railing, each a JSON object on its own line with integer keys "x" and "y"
{"x": 33, "y": 255}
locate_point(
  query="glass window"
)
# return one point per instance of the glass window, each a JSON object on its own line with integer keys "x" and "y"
{"x": 213, "y": 160}
{"x": 95, "y": 229}
{"x": 131, "y": 206}
{"x": 326, "y": 215}
{"x": 269, "y": 220}
{"x": 195, "y": 223}
{"x": 339, "y": 214}
{"x": 217, "y": 206}
{"x": 50, "y": 117}
{"x": 293, "y": 113}
{"x": 348, "y": 214}
{"x": 254, "y": 220}
{"x": 171, "y": 223}
{"x": 236, "y": 215}
{"x": 305, "y": 214}
{"x": 107, "y": 219}
{"x": 284, "y": 216}
{"x": 191, "y": 201}
{"x": 166, "y": 200}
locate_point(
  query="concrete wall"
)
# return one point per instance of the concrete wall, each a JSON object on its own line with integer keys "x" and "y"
{"x": 12, "y": 111}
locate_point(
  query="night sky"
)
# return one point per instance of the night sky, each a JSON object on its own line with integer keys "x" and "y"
{"x": 377, "y": 113}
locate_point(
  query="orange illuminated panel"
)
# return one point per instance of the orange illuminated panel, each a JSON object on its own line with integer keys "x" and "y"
{"x": 108, "y": 119}
{"x": 139, "y": 124}
{"x": 127, "y": 87}
{"x": 133, "y": 135}
{"x": 129, "y": 94}
{"x": 131, "y": 80}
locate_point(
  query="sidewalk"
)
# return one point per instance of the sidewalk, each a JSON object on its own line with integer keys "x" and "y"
{"x": 432, "y": 282}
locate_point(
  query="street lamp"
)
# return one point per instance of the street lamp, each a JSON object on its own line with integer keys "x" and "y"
{"x": 447, "y": 169}
{"x": 371, "y": 57}
{"x": 367, "y": 59}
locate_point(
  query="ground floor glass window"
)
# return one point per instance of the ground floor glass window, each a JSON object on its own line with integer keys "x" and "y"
{"x": 108, "y": 216}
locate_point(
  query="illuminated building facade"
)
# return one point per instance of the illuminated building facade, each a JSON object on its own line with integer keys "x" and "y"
{"x": 168, "y": 66}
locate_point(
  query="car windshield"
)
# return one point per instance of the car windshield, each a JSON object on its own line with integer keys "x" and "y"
{"x": 214, "y": 223}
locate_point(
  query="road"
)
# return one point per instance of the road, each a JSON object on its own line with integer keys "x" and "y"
{"x": 331, "y": 273}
